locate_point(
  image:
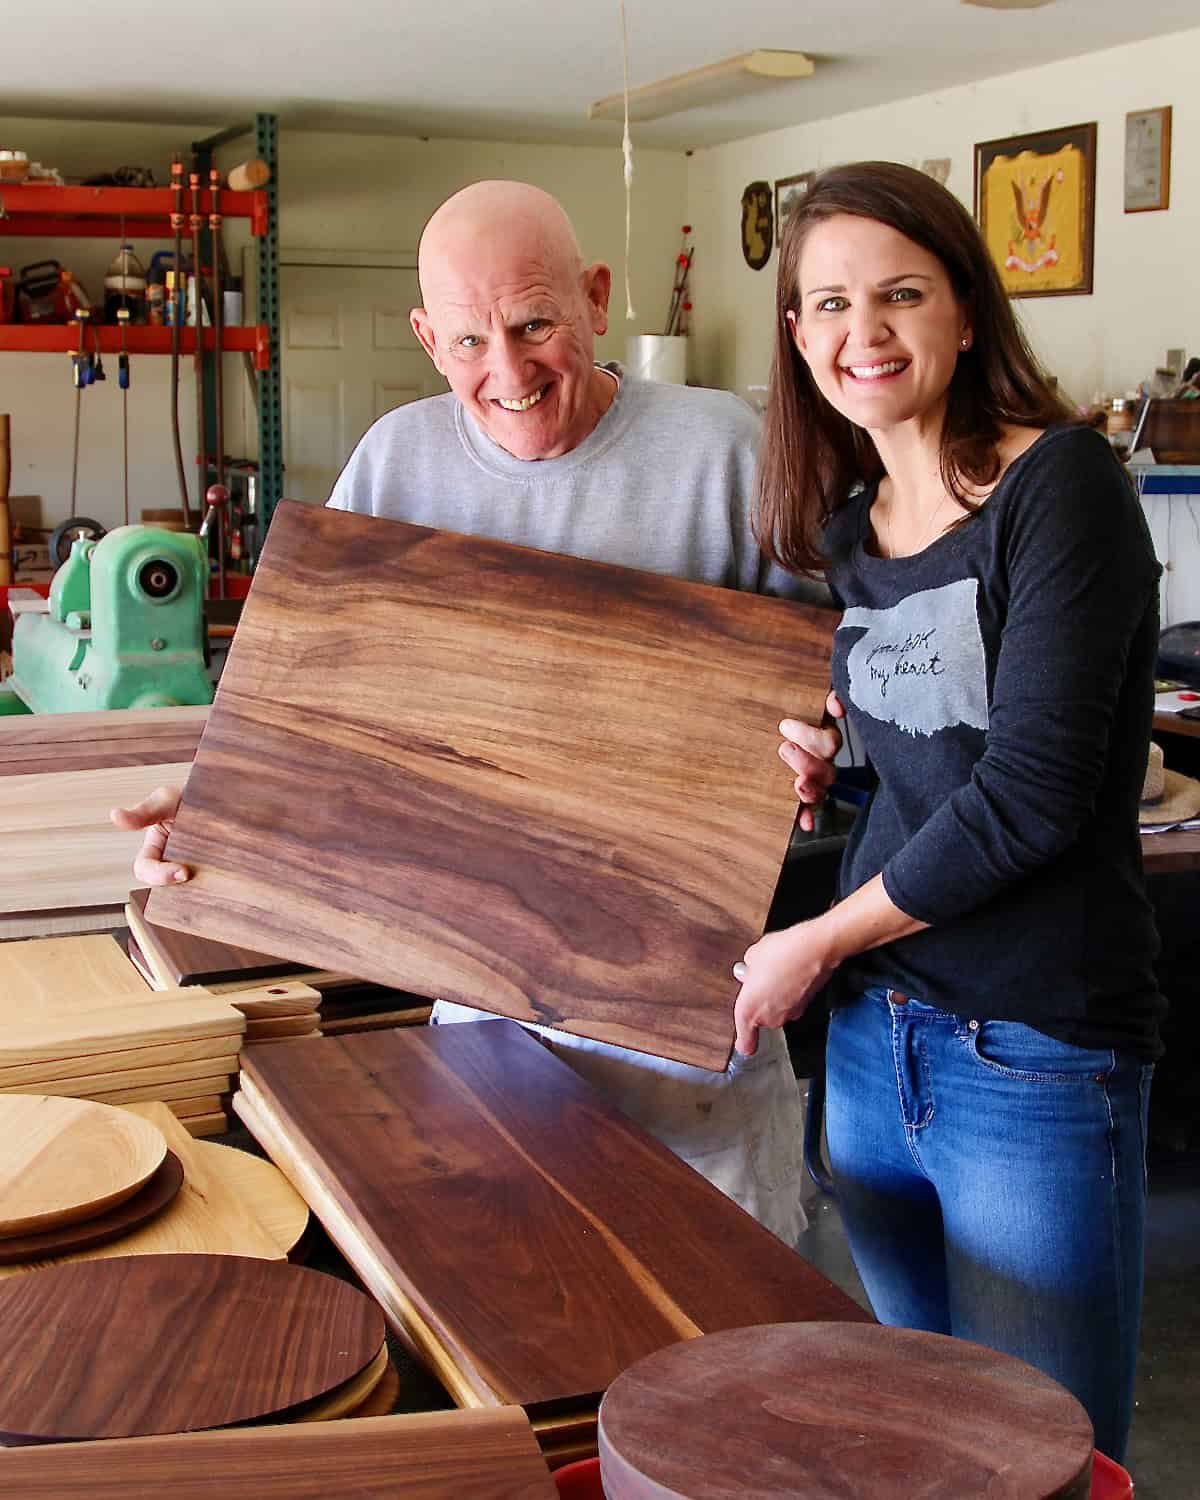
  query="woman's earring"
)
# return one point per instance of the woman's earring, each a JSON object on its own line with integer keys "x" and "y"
{"x": 964, "y": 343}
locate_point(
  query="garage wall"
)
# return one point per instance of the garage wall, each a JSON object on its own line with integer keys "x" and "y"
{"x": 1147, "y": 292}
{"x": 336, "y": 192}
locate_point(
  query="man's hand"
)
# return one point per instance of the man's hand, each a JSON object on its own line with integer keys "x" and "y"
{"x": 780, "y": 975}
{"x": 157, "y": 816}
{"x": 809, "y": 753}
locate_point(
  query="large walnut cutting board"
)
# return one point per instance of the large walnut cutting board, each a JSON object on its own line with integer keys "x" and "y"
{"x": 526, "y": 1237}
{"x": 62, "y": 1160}
{"x": 542, "y": 786}
{"x": 173, "y": 1343}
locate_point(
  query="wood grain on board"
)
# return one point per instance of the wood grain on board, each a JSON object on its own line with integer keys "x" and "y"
{"x": 211, "y": 1214}
{"x": 80, "y": 1076}
{"x": 173, "y": 1343}
{"x": 814, "y": 1410}
{"x": 488, "y": 1455}
{"x": 262, "y": 1187}
{"x": 139, "y": 726}
{"x": 126, "y": 1023}
{"x": 102, "y": 1228}
{"x": 475, "y": 771}
{"x": 58, "y": 848}
{"x": 56, "y": 974}
{"x": 523, "y": 1235}
{"x": 62, "y": 1160}
{"x": 181, "y": 958}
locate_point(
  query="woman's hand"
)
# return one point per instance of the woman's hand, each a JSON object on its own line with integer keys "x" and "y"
{"x": 780, "y": 975}
{"x": 156, "y": 814}
{"x": 809, "y": 753}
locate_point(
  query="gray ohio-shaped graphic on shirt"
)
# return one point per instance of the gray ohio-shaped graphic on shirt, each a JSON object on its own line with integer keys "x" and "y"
{"x": 920, "y": 665}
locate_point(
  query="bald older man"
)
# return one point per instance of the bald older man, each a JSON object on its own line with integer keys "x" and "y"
{"x": 539, "y": 445}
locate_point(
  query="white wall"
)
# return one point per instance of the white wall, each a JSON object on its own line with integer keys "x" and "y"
{"x": 336, "y": 192}
{"x": 1147, "y": 292}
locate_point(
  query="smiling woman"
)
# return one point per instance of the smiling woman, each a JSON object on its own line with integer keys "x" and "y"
{"x": 995, "y": 1007}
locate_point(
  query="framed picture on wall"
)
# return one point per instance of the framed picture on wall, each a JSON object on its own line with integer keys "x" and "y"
{"x": 1147, "y": 159}
{"x": 1035, "y": 202}
{"x": 787, "y": 190}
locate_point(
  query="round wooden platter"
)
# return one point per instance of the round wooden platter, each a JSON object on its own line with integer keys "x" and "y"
{"x": 174, "y": 1343}
{"x": 347, "y": 1399}
{"x": 62, "y": 1160}
{"x": 88, "y": 1234}
{"x": 812, "y": 1410}
{"x": 263, "y": 1188}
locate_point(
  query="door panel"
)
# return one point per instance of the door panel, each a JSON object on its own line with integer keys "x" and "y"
{"x": 348, "y": 355}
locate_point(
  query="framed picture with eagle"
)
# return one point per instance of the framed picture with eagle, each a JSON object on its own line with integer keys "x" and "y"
{"x": 1035, "y": 198}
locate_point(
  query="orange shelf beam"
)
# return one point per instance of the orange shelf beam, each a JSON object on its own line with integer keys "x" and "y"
{"x": 97, "y": 211}
{"x": 63, "y": 338}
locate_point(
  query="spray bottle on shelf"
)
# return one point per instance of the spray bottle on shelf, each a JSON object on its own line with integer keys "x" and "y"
{"x": 125, "y": 287}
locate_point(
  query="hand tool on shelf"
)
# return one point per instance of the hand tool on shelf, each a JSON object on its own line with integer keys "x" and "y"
{"x": 195, "y": 220}
{"x": 6, "y": 571}
{"x": 83, "y": 372}
{"x": 214, "y": 225}
{"x": 123, "y": 384}
{"x": 177, "y": 314}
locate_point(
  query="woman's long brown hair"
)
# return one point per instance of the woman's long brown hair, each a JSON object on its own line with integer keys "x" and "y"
{"x": 812, "y": 457}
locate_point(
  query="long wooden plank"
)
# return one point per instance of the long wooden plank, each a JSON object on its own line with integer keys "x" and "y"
{"x": 141, "y": 1083}
{"x": 55, "y": 973}
{"x": 488, "y": 1455}
{"x": 51, "y": 761}
{"x": 182, "y": 1091}
{"x": 189, "y": 1015}
{"x": 174, "y": 1059}
{"x": 561, "y": 776}
{"x": 140, "y": 726}
{"x": 58, "y": 848}
{"x": 521, "y": 1232}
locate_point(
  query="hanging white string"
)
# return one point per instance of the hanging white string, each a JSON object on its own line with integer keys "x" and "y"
{"x": 627, "y": 153}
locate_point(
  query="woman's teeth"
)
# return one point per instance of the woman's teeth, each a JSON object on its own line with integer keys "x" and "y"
{"x": 876, "y": 372}
{"x": 525, "y": 402}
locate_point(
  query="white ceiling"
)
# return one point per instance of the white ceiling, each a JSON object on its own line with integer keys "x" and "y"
{"x": 519, "y": 70}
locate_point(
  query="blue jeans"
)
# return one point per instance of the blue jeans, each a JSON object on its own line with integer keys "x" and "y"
{"x": 992, "y": 1183}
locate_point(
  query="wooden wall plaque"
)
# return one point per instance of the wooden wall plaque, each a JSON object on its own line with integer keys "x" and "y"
{"x": 538, "y": 785}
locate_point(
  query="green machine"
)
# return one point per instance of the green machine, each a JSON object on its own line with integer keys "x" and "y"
{"x": 125, "y": 628}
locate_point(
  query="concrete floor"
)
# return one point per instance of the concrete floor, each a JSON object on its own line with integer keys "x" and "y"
{"x": 1164, "y": 1446}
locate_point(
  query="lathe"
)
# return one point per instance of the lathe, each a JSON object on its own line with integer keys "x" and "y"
{"x": 123, "y": 627}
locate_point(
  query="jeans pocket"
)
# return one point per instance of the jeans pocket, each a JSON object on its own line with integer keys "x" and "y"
{"x": 1016, "y": 1050}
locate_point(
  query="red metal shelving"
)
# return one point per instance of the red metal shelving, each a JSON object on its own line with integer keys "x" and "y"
{"x": 63, "y": 338}
{"x": 31, "y": 209}
{"x": 109, "y": 212}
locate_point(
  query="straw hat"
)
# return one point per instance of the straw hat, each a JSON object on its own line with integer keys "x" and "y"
{"x": 1167, "y": 797}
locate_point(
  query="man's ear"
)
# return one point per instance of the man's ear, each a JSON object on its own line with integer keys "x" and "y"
{"x": 597, "y": 287}
{"x": 422, "y": 326}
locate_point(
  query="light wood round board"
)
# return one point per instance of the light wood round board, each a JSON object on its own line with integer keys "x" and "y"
{"x": 62, "y": 1160}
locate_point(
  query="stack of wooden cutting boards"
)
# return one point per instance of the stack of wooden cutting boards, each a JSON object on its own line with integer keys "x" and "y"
{"x": 77, "y": 1020}
{"x": 279, "y": 998}
{"x": 63, "y": 865}
{"x": 202, "y": 1198}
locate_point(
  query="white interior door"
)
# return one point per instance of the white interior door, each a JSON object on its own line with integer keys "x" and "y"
{"x": 347, "y": 355}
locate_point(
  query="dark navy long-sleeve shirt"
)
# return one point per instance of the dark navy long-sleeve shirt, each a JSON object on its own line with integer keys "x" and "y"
{"x": 1001, "y": 682}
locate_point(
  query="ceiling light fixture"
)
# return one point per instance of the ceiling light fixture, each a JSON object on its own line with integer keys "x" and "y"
{"x": 1008, "y": 4}
{"x": 713, "y": 84}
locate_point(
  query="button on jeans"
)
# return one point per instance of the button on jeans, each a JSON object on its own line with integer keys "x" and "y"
{"x": 992, "y": 1183}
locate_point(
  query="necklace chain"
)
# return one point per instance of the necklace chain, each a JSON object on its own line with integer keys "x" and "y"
{"x": 925, "y": 535}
